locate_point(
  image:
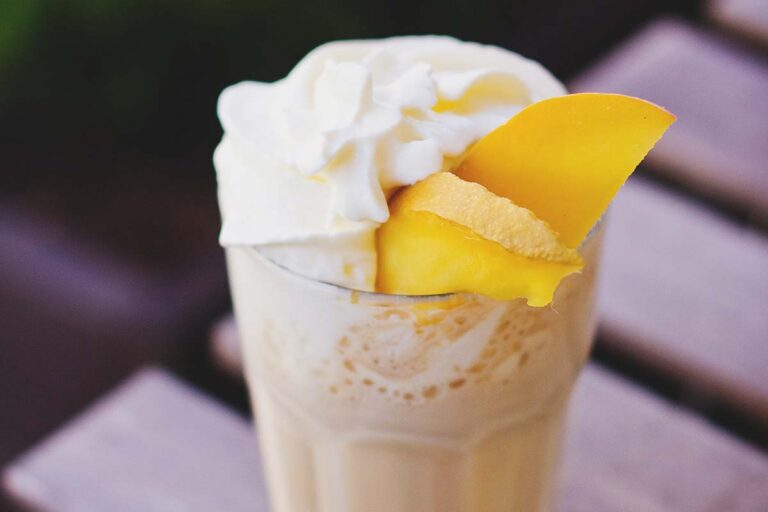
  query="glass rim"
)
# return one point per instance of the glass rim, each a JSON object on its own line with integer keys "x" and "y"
{"x": 380, "y": 296}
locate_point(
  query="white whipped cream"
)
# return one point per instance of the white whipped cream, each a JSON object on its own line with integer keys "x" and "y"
{"x": 307, "y": 163}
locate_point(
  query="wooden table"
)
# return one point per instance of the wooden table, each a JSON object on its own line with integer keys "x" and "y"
{"x": 84, "y": 319}
{"x": 748, "y": 18}
{"x": 157, "y": 445}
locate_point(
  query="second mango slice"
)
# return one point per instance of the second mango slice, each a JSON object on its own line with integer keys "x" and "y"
{"x": 448, "y": 235}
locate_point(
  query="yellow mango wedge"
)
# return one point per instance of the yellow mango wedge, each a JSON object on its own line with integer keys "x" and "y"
{"x": 488, "y": 215}
{"x": 565, "y": 158}
{"x": 448, "y": 235}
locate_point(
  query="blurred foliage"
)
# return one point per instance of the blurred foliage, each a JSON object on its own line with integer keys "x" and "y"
{"x": 18, "y": 21}
{"x": 141, "y": 68}
{"x": 145, "y": 74}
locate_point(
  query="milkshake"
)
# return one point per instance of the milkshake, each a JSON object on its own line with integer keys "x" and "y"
{"x": 377, "y": 403}
{"x": 411, "y": 332}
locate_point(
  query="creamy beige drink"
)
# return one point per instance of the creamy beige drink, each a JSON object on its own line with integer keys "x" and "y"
{"x": 406, "y": 226}
{"x": 375, "y": 403}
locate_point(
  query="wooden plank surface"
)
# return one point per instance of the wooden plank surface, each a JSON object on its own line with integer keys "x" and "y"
{"x": 746, "y": 17}
{"x": 155, "y": 445}
{"x": 719, "y": 144}
{"x": 85, "y": 319}
{"x": 687, "y": 291}
{"x": 629, "y": 451}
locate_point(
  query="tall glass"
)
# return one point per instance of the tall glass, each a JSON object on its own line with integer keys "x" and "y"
{"x": 380, "y": 403}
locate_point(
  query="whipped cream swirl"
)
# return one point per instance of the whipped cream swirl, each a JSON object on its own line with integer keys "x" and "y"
{"x": 307, "y": 163}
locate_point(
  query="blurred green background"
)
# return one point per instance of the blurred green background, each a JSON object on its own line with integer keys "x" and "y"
{"x": 145, "y": 74}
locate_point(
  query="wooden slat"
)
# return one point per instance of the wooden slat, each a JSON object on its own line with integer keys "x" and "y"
{"x": 85, "y": 319}
{"x": 156, "y": 445}
{"x": 746, "y": 17}
{"x": 628, "y": 451}
{"x": 687, "y": 291}
{"x": 719, "y": 144}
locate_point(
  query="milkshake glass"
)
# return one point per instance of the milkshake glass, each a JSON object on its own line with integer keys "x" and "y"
{"x": 382, "y": 403}
{"x": 369, "y": 402}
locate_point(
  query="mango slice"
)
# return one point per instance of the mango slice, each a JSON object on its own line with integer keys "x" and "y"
{"x": 565, "y": 158}
{"x": 490, "y": 216}
{"x": 447, "y": 235}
